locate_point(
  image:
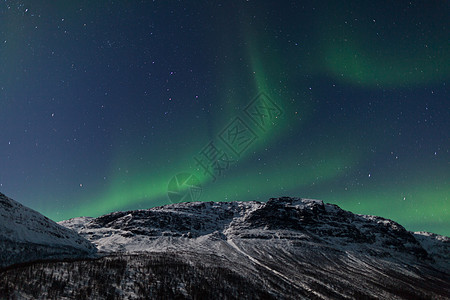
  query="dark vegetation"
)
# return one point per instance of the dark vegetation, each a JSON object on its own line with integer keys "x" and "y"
{"x": 145, "y": 276}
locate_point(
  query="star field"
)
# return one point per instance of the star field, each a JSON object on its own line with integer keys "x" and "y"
{"x": 103, "y": 103}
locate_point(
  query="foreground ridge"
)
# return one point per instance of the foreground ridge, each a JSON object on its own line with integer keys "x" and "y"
{"x": 26, "y": 235}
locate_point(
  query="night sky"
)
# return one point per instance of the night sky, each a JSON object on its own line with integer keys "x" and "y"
{"x": 117, "y": 105}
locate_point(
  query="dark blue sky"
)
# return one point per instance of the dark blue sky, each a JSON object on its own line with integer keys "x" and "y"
{"x": 104, "y": 103}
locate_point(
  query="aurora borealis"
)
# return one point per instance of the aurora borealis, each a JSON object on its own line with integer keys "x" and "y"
{"x": 103, "y": 103}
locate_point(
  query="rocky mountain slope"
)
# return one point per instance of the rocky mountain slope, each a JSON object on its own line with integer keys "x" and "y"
{"x": 285, "y": 248}
{"x": 316, "y": 249}
{"x": 292, "y": 219}
{"x": 26, "y": 235}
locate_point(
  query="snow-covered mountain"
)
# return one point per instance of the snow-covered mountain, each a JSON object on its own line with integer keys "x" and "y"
{"x": 285, "y": 248}
{"x": 317, "y": 249}
{"x": 26, "y": 235}
{"x": 197, "y": 224}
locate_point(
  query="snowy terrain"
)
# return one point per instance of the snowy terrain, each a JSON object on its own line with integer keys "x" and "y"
{"x": 285, "y": 248}
{"x": 202, "y": 225}
{"x": 26, "y": 235}
{"x": 316, "y": 249}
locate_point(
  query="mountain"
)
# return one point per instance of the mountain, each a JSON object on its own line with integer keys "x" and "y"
{"x": 196, "y": 224}
{"x": 285, "y": 248}
{"x": 26, "y": 235}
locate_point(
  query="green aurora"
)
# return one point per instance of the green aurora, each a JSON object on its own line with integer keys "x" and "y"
{"x": 306, "y": 152}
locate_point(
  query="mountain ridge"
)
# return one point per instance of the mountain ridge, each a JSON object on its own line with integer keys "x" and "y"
{"x": 279, "y": 218}
{"x": 26, "y": 235}
{"x": 285, "y": 248}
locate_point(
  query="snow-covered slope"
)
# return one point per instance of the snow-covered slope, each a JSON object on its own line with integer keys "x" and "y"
{"x": 318, "y": 250}
{"x": 437, "y": 247}
{"x": 285, "y": 248}
{"x": 26, "y": 235}
{"x": 278, "y": 219}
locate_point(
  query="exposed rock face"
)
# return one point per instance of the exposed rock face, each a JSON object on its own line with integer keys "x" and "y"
{"x": 279, "y": 218}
